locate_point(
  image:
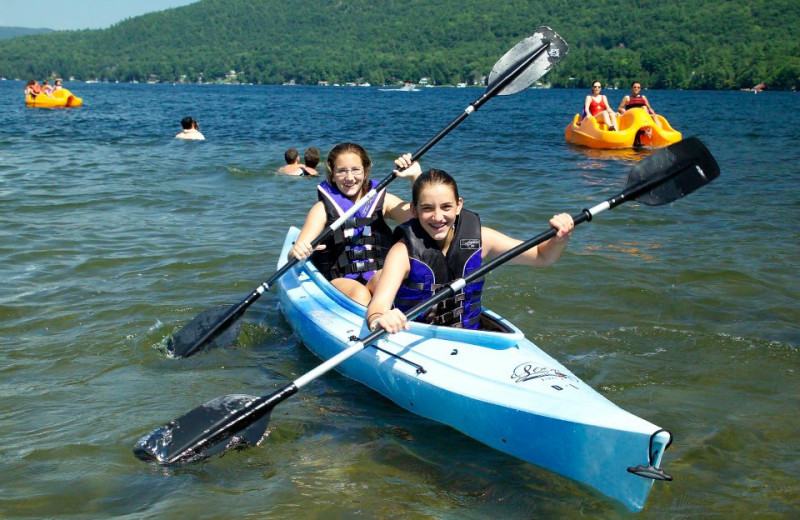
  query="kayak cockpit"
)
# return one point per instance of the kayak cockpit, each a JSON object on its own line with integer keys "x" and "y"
{"x": 495, "y": 332}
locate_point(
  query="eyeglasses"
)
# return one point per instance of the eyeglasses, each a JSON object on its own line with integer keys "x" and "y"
{"x": 637, "y": 88}
{"x": 597, "y": 86}
{"x": 342, "y": 172}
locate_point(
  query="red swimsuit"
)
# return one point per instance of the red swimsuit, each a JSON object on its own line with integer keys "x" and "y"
{"x": 595, "y": 107}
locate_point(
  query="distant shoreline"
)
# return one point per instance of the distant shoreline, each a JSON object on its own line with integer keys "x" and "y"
{"x": 387, "y": 86}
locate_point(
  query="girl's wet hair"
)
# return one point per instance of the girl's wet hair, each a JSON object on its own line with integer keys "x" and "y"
{"x": 357, "y": 149}
{"x": 432, "y": 177}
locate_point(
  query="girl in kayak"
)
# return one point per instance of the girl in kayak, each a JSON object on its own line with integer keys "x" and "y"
{"x": 442, "y": 243}
{"x": 351, "y": 258}
{"x": 596, "y": 105}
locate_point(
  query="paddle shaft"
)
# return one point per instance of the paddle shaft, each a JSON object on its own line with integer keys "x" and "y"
{"x": 238, "y": 309}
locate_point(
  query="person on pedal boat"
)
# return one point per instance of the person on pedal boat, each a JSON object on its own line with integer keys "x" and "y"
{"x": 596, "y": 105}
{"x": 444, "y": 242}
{"x": 637, "y": 100}
{"x": 33, "y": 89}
{"x": 352, "y": 257}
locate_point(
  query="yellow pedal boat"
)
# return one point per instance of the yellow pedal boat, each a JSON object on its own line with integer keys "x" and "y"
{"x": 61, "y": 98}
{"x": 636, "y": 128}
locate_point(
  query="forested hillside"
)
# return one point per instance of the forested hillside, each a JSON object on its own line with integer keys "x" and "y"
{"x": 693, "y": 44}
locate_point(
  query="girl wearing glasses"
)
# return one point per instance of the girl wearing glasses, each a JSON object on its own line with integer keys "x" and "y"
{"x": 351, "y": 258}
{"x": 597, "y": 106}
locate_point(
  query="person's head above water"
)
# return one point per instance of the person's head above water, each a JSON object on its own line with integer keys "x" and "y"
{"x": 311, "y": 157}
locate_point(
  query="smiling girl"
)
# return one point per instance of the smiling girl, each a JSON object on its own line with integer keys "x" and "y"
{"x": 351, "y": 258}
{"x": 442, "y": 243}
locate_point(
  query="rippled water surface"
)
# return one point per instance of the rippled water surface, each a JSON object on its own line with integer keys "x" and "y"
{"x": 114, "y": 234}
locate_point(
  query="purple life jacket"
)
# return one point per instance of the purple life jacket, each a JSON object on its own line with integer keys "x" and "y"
{"x": 358, "y": 248}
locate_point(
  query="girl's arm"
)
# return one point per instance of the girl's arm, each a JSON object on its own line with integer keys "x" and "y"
{"x": 547, "y": 253}
{"x": 394, "y": 207}
{"x": 622, "y": 104}
{"x": 314, "y": 225}
{"x": 647, "y": 104}
{"x": 379, "y": 311}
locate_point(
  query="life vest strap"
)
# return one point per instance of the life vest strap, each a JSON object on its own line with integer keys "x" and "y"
{"x": 359, "y": 266}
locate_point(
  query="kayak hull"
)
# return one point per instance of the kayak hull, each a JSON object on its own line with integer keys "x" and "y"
{"x": 62, "y": 98}
{"x": 636, "y": 128}
{"x": 495, "y": 386}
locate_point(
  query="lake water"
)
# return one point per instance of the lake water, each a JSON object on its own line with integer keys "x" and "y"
{"x": 113, "y": 234}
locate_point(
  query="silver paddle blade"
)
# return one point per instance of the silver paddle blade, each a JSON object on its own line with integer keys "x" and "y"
{"x": 557, "y": 49}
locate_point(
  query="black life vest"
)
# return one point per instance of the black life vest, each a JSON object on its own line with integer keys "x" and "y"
{"x": 358, "y": 248}
{"x": 430, "y": 270}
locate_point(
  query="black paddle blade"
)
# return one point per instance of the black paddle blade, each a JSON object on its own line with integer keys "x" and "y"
{"x": 183, "y": 343}
{"x": 558, "y": 49}
{"x": 225, "y": 423}
{"x": 202, "y": 433}
{"x": 686, "y": 166}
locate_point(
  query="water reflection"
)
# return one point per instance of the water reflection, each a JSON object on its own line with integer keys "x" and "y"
{"x": 641, "y": 250}
{"x": 628, "y": 155}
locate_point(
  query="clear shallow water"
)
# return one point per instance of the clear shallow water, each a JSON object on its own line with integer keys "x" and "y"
{"x": 113, "y": 234}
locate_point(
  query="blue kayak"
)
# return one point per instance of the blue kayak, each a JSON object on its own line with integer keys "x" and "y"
{"x": 493, "y": 385}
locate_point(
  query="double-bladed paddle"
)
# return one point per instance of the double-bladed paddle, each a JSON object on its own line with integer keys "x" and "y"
{"x": 240, "y": 420}
{"x": 525, "y": 63}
